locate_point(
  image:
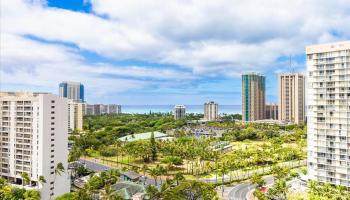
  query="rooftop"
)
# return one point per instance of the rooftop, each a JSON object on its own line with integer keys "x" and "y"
{"x": 132, "y": 175}
{"x": 128, "y": 189}
{"x": 143, "y": 136}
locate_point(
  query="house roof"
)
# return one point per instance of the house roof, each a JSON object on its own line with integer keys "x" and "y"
{"x": 132, "y": 175}
{"x": 128, "y": 189}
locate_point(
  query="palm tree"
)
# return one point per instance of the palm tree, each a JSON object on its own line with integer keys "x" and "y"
{"x": 110, "y": 177}
{"x": 59, "y": 169}
{"x": 223, "y": 170}
{"x": 161, "y": 171}
{"x": 31, "y": 195}
{"x": 25, "y": 178}
{"x": 258, "y": 180}
{"x": 154, "y": 173}
{"x": 41, "y": 180}
{"x": 144, "y": 168}
{"x": 178, "y": 177}
{"x": 109, "y": 194}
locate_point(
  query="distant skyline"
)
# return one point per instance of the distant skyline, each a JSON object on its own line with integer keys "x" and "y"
{"x": 161, "y": 52}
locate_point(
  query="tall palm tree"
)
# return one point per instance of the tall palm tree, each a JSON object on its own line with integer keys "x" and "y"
{"x": 41, "y": 180}
{"x": 59, "y": 169}
{"x": 25, "y": 179}
{"x": 223, "y": 170}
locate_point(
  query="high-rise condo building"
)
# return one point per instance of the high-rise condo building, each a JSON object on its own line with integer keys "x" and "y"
{"x": 34, "y": 139}
{"x": 271, "y": 111}
{"x": 253, "y": 97}
{"x": 75, "y": 115}
{"x": 328, "y": 114}
{"x": 179, "y": 112}
{"x": 291, "y": 97}
{"x": 114, "y": 109}
{"x": 72, "y": 90}
{"x": 211, "y": 111}
{"x": 100, "y": 109}
{"x": 89, "y": 109}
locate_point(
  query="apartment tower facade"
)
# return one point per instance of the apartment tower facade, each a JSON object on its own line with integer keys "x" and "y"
{"x": 114, "y": 109}
{"x": 34, "y": 139}
{"x": 211, "y": 111}
{"x": 75, "y": 115}
{"x": 179, "y": 112}
{"x": 328, "y": 115}
{"x": 72, "y": 90}
{"x": 253, "y": 97}
{"x": 291, "y": 97}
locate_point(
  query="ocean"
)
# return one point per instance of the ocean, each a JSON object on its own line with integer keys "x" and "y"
{"x": 141, "y": 109}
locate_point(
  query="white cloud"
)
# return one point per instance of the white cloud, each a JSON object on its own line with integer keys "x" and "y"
{"x": 199, "y": 34}
{"x": 207, "y": 38}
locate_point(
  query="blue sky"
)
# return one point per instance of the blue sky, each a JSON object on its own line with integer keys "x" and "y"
{"x": 156, "y": 52}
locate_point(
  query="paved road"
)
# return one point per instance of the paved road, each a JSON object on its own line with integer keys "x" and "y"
{"x": 94, "y": 166}
{"x": 240, "y": 191}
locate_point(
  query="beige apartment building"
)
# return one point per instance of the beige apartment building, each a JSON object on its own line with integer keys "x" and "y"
{"x": 211, "y": 111}
{"x": 328, "y": 115}
{"x": 75, "y": 115}
{"x": 271, "y": 111}
{"x": 253, "y": 97}
{"x": 291, "y": 97}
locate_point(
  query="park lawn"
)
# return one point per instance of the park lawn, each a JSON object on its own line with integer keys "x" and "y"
{"x": 246, "y": 144}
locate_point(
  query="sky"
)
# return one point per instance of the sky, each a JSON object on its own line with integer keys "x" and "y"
{"x": 160, "y": 52}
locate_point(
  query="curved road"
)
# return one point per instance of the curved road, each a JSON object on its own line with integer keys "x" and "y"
{"x": 239, "y": 192}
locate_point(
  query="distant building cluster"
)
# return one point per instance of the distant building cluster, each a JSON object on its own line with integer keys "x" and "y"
{"x": 211, "y": 111}
{"x": 291, "y": 98}
{"x": 101, "y": 109}
{"x": 74, "y": 92}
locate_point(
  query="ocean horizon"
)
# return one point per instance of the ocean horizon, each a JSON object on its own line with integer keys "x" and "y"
{"x": 199, "y": 109}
